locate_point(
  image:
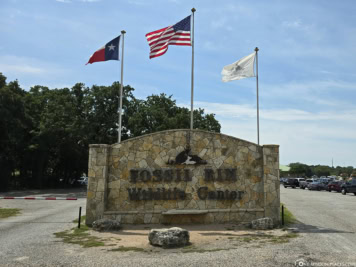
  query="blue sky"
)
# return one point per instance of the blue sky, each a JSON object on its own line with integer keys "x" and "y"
{"x": 307, "y": 69}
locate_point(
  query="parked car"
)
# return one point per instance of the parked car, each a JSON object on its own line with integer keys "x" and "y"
{"x": 282, "y": 180}
{"x": 304, "y": 184}
{"x": 291, "y": 182}
{"x": 325, "y": 180}
{"x": 83, "y": 180}
{"x": 300, "y": 180}
{"x": 349, "y": 187}
{"x": 335, "y": 186}
{"x": 317, "y": 186}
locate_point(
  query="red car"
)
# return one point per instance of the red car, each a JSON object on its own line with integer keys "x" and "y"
{"x": 335, "y": 186}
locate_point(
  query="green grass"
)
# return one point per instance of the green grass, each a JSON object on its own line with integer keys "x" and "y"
{"x": 80, "y": 236}
{"x": 82, "y": 219}
{"x": 288, "y": 216}
{"x": 5, "y": 213}
{"x": 125, "y": 249}
{"x": 262, "y": 239}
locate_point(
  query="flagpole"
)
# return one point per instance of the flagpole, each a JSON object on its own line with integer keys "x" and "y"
{"x": 192, "y": 79}
{"x": 121, "y": 86}
{"x": 258, "y": 116}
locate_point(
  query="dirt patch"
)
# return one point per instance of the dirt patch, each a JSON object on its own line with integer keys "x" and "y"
{"x": 203, "y": 238}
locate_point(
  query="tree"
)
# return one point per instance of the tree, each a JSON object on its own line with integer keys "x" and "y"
{"x": 13, "y": 124}
{"x": 159, "y": 112}
{"x": 300, "y": 169}
{"x": 45, "y": 134}
{"x": 321, "y": 170}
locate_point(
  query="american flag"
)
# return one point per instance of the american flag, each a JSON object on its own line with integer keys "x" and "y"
{"x": 178, "y": 34}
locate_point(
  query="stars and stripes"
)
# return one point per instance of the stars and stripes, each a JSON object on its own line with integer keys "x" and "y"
{"x": 178, "y": 34}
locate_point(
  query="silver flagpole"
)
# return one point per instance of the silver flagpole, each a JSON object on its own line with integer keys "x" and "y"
{"x": 121, "y": 85}
{"x": 192, "y": 79}
{"x": 258, "y": 116}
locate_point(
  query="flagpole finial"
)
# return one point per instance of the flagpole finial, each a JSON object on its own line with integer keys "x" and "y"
{"x": 123, "y": 32}
{"x": 256, "y": 49}
{"x": 193, "y": 9}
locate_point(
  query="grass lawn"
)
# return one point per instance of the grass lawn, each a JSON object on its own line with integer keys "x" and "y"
{"x": 5, "y": 213}
{"x": 80, "y": 236}
{"x": 288, "y": 216}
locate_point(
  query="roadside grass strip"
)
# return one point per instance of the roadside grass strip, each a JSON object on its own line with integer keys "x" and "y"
{"x": 5, "y": 213}
{"x": 80, "y": 236}
{"x": 125, "y": 249}
{"x": 84, "y": 237}
{"x": 262, "y": 239}
{"x": 288, "y": 216}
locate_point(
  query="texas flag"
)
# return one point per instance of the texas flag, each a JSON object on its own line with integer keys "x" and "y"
{"x": 110, "y": 51}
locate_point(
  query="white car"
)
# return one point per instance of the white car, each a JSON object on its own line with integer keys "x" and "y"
{"x": 83, "y": 180}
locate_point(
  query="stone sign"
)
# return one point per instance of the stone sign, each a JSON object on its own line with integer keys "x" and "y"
{"x": 183, "y": 176}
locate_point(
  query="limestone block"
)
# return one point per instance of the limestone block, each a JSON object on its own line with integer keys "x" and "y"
{"x": 202, "y": 152}
{"x": 168, "y": 238}
{"x": 156, "y": 219}
{"x": 217, "y": 144}
{"x": 138, "y": 219}
{"x": 143, "y": 164}
{"x": 141, "y": 155}
{"x": 147, "y": 218}
{"x": 101, "y": 159}
{"x": 106, "y": 225}
{"x": 127, "y": 218}
{"x": 252, "y": 148}
{"x": 101, "y": 185}
{"x": 230, "y": 160}
{"x": 147, "y": 146}
{"x": 262, "y": 224}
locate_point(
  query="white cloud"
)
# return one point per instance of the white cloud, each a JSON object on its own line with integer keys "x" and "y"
{"x": 292, "y": 24}
{"x": 308, "y": 137}
{"x": 24, "y": 65}
{"x": 311, "y": 92}
{"x": 281, "y": 115}
{"x": 21, "y": 69}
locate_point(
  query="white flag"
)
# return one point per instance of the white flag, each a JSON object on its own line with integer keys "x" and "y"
{"x": 240, "y": 69}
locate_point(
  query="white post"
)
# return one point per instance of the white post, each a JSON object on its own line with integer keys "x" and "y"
{"x": 192, "y": 79}
{"x": 121, "y": 87}
{"x": 258, "y": 113}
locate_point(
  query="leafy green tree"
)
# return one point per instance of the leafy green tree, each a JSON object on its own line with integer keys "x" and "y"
{"x": 321, "y": 170}
{"x": 159, "y": 112}
{"x": 46, "y": 132}
{"x": 13, "y": 135}
{"x": 300, "y": 169}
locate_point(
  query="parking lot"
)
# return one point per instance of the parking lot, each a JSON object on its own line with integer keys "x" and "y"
{"x": 326, "y": 236}
{"x": 327, "y": 219}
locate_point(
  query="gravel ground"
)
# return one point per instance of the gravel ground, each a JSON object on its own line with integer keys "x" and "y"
{"x": 327, "y": 238}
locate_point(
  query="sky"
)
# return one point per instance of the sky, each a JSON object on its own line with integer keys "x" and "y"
{"x": 306, "y": 62}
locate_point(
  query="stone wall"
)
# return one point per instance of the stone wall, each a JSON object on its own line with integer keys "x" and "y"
{"x": 142, "y": 180}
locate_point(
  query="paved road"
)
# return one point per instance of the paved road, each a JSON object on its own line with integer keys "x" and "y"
{"x": 327, "y": 237}
{"x": 24, "y": 237}
{"x": 328, "y": 223}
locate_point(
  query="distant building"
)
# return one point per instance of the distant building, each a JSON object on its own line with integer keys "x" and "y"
{"x": 284, "y": 171}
